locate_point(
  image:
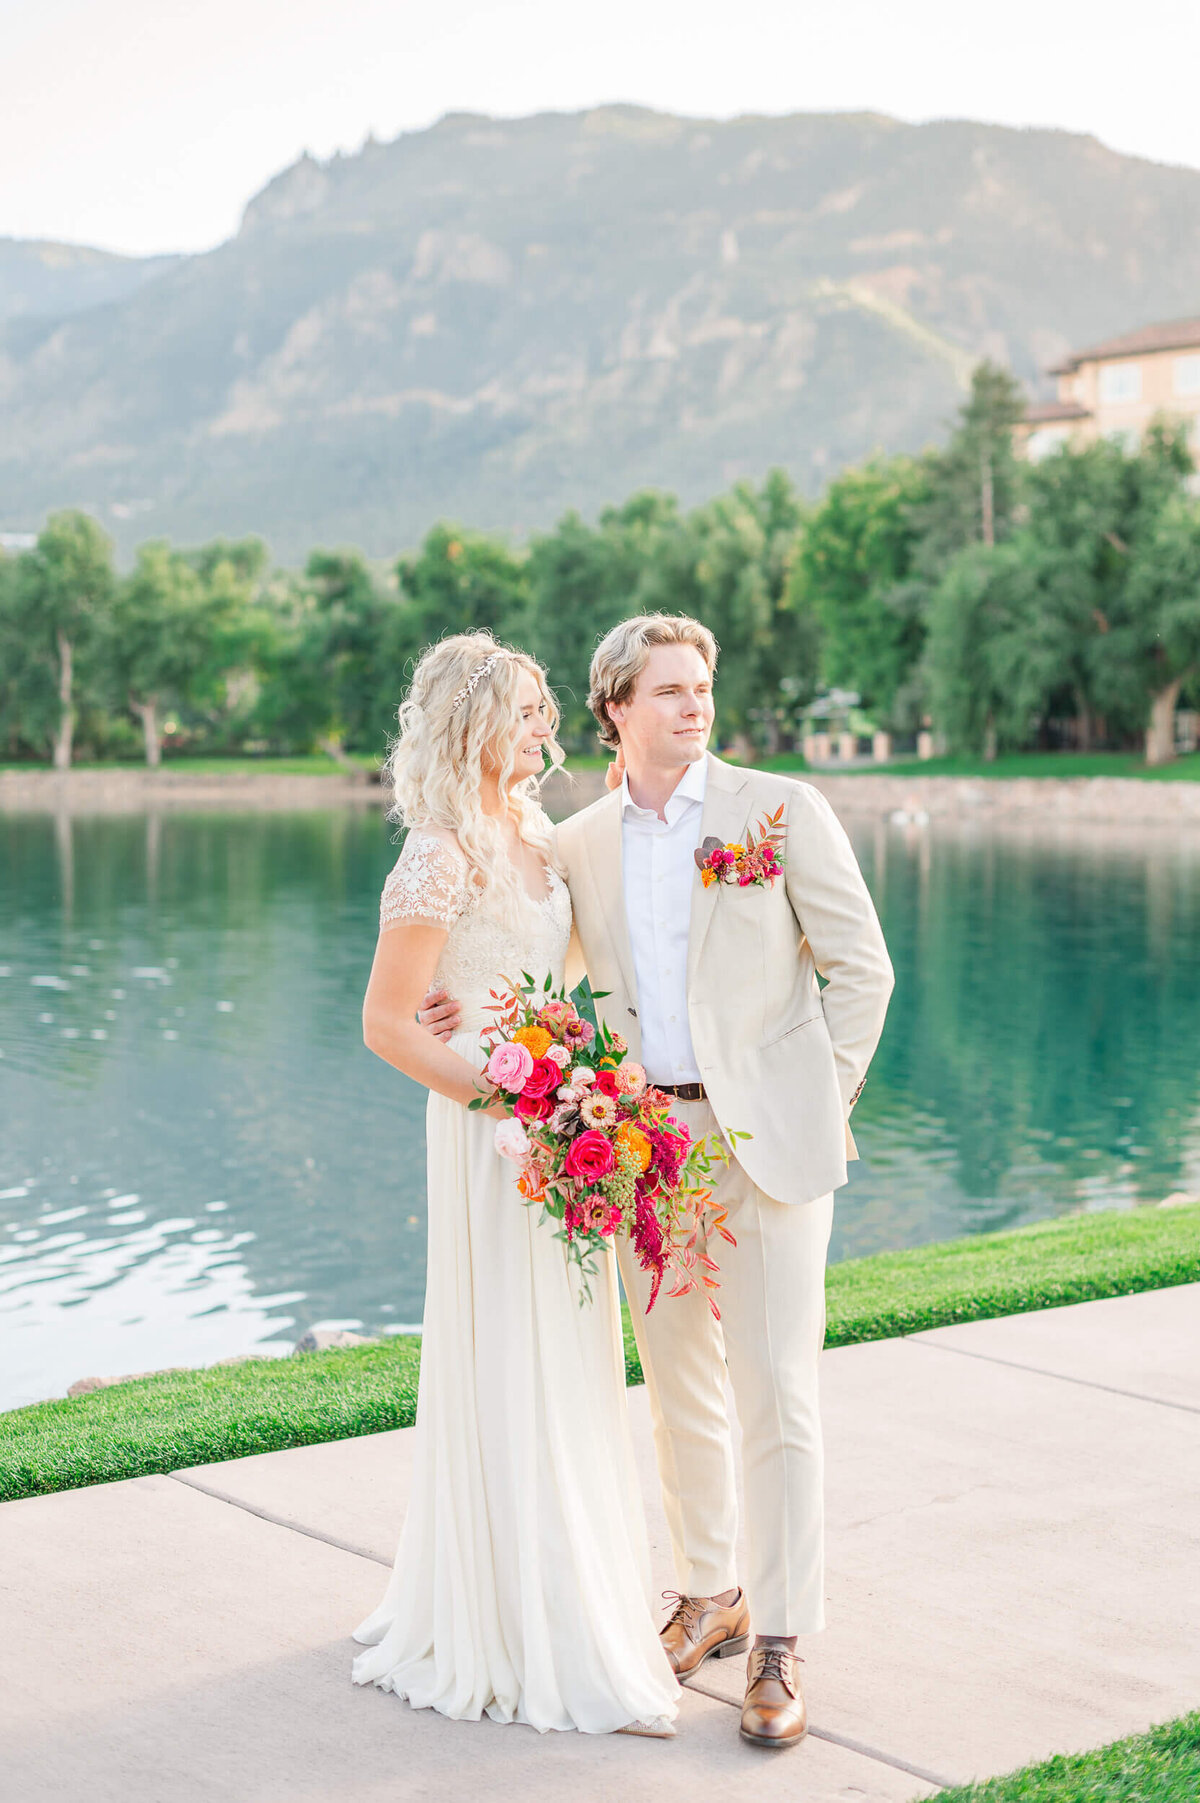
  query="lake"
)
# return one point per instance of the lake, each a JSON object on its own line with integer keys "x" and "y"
{"x": 198, "y": 1157}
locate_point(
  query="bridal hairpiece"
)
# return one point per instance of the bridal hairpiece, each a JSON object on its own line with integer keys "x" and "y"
{"x": 468, "y": 688}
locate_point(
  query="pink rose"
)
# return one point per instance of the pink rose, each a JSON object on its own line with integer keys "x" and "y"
{"x": 509, "y": 1067}
{"x": 583, "y": 1076}
{"x": 558, "y": 1054}
{"x": 512, "y": 1141}
{"x": 590, "y": 1156}
{"x": 544, "y": 1077}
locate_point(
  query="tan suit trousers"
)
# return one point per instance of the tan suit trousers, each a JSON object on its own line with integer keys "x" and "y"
{"x": 772, "y": 1327}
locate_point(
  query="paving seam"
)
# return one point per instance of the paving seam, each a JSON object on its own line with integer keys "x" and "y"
{"x": 852, "y": 1746}
{"x": 362, "y": 1552}
{"x": 279, "y": 1521}
{"x": 1062, "y": 1377}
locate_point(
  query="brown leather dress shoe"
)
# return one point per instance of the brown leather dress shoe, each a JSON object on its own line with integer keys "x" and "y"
{"x": 773, "y": 1714}
{"x": 700, "y": 1629}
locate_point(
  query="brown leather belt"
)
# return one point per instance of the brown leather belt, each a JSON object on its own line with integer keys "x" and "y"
{"x": 685, "y": 1092}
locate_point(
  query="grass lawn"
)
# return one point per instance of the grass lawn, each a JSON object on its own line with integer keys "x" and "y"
{"x": 1061, "y": 764}
{"x": 1161, "y": 1766}
{"x": 224, "y": 1412}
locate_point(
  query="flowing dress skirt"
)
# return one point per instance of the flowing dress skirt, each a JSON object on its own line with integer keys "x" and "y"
{"x": 521, "y": 1584}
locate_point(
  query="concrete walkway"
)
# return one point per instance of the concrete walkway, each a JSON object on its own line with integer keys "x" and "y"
{"x": 1014, "y": 1541}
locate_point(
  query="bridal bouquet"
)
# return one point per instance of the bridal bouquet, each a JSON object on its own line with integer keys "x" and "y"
{"x": 596, "y": 1144}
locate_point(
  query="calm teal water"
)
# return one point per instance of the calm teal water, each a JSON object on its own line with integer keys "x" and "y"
{"x": 198, "y": 1157}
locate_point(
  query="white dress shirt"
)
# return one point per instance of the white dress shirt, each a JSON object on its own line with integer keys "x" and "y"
{"x": 659, "y": 878}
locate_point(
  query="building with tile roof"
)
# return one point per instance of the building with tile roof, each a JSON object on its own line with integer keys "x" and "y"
{"x": 1114, "y": 389}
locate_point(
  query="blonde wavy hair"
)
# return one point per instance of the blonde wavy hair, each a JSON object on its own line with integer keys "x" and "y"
{"x": 460, "y": 710}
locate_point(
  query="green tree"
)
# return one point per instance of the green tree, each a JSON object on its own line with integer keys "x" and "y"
{"x": 1067, "y": 612}
{"x": 1078, "y": 508}
{"x": 1156, "y": 634}
{"x": 18, "y": 682}
{"x": 584, "y": 579}
{"x": 975, "y": 482}
{"x": 1092, "y": 511}
{"x": 983, "y": 686}
{"x": 855, "y": 565}
{"x": 350, "y": 650}
{"x": 734, "y": 571}
{"x": 226, "y": 560}
{"x": 293, "y": 706}
{"x": 170, "y": 641}
{"x": 64, "y": 590}
{"x": 463, "y": 581}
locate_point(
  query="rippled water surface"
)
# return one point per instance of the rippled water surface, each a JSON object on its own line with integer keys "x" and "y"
{"x": 199, "y": 1158}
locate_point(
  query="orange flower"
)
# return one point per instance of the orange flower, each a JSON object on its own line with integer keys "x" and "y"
{"x": 636, "y": 1143}
{"x": 536, "y": 1041}
{"x": 708, "y": 877}
{"x": 531, "y": 1184}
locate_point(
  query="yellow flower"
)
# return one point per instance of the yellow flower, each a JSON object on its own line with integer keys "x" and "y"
{"x": 708, "y": 877}
{"x": 536, "y": 1040}
{"x": 635, "y": 1143}
{"x": 739, "y": 851}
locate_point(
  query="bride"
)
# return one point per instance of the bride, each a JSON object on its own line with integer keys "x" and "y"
{"x": 520, "y": 1587}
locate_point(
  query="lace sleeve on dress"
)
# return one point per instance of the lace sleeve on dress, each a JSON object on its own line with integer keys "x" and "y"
{"x": 428, "y": 884}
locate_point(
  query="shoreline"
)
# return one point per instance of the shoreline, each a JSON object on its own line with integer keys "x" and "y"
{"x": 138, "y": 791}
{"x": 909, "y": 799}
{"x": 162, "y": 1420}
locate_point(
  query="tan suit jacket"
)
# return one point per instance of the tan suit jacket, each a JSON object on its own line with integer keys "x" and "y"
{"x": 781, "y": 1058}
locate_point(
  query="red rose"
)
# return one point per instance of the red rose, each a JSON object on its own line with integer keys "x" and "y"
{"x": 532, "y": 1108}
{"x": 606, "y": 1084}
{"x": 590, "y": 1156}
{"x": 544, "y": 1077}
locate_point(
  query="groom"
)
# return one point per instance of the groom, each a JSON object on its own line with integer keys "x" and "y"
{"x": 715, "y": 989}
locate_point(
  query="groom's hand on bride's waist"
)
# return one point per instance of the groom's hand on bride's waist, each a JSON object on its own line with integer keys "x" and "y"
{"x": 440, "y": 1013}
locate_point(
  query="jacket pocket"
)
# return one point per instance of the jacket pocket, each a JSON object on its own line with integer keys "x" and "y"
{"x": 786, "y": 1032}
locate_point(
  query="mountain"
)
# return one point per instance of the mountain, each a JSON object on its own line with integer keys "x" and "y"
{"x": 58, "y": 279}
{"x": 496, "y": 320}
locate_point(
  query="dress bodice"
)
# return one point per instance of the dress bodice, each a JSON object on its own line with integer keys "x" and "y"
{"x": 432, "y": 882}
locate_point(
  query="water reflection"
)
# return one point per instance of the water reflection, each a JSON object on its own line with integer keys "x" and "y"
{"x": 1041, "y": 1047}
{"x": 198, "y": 1156}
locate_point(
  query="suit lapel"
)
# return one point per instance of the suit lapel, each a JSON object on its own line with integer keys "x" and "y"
{"x": 726, "y": 809}
{"x": 603, "y": 846}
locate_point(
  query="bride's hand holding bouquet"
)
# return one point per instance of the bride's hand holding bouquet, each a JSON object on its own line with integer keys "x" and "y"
{"x": 596, "y": 1144}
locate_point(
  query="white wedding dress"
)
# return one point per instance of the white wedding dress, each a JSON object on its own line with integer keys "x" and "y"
{"x": 521, "y": 1584}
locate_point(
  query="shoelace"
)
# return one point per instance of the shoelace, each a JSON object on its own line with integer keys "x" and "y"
{"x": 686, "y": 1613}
{"x": 774, "y": 1665}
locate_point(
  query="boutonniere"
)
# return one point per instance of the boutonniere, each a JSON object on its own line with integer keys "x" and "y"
{"x": 757, "y": 862}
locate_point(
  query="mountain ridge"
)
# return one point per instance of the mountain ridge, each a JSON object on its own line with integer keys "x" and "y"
{"x": 49, "y": 279}
{"x": 497, "y": 319}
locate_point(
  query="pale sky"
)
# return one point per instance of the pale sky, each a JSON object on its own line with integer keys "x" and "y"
{"x": 146, "y": 125}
